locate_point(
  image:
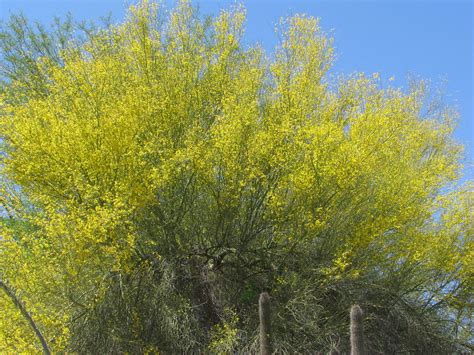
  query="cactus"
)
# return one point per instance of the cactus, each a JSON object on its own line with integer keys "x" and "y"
{"x": 265, "y": 326}
{"x": 357, "y": 331}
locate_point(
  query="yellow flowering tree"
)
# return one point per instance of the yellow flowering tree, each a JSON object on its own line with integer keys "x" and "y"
{"x": 157, "y": 174}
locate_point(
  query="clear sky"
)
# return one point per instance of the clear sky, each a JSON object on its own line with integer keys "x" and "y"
{"x": 430, "y": 39}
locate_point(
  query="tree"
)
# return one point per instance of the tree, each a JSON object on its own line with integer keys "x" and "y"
{"x": 160, "y": 175}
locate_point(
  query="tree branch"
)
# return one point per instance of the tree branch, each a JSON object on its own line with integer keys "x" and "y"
{"x": 21, "y": 307}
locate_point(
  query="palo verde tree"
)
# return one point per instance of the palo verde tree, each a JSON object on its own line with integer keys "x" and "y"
{"x": 158, "y": 175}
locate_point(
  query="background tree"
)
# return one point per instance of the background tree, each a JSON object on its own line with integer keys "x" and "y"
{"x": 157, "y": 176}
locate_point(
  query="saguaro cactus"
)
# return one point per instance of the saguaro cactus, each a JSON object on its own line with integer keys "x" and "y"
{"x": 265, "y": 324}
{"x": 357, "y": 331}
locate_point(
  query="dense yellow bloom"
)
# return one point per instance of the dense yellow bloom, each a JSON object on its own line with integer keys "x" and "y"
{"x": 183, "y": 121}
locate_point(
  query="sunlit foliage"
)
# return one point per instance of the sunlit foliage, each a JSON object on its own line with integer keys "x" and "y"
{"x": 158, "y": 174}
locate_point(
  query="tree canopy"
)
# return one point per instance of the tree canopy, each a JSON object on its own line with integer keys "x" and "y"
{"x": 157, "y": 175}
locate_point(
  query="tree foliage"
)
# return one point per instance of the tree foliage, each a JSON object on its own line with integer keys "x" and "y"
{"x": 158, "y": 175}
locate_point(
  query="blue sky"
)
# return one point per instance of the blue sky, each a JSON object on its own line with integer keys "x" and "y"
{"x": 429, "y": 39}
